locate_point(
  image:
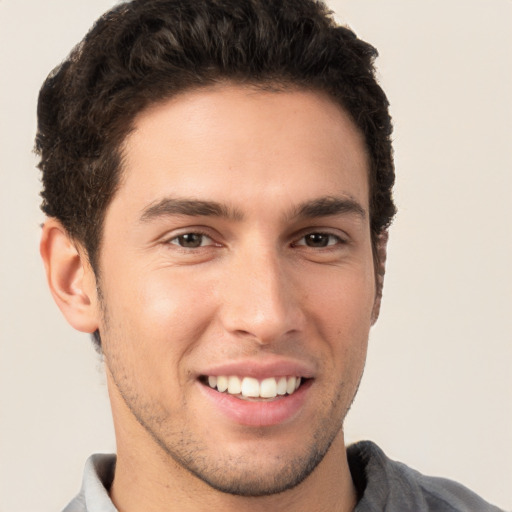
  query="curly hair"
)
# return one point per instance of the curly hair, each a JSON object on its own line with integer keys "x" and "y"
{"x": 144, "y": 51}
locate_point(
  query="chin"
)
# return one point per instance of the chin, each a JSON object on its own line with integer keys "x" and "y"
{"x": 246, "y": 480}
{"x": 257, "y": 472}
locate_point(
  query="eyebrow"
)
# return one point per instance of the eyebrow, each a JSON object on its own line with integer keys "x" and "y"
{"x": 320, "y": 207}
{"x": 329, "y": 206}
{"x": 189, "y": 207}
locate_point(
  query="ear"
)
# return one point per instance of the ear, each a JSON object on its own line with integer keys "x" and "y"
{"x": 70, "y": 277}
{"x": 380, "y": 269}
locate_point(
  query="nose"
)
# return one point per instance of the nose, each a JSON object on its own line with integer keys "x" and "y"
{"x": 260, "y": 300}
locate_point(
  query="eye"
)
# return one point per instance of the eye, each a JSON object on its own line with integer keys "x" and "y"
{"x": 192, "y": 240}
{"x": 319, "y": 240}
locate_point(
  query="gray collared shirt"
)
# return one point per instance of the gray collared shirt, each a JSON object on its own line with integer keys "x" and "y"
{"x": 382, "y": 485}
{"x": 98, "y": 476}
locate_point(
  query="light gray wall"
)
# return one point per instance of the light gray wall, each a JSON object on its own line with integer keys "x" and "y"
{"x": 438, "y": 388}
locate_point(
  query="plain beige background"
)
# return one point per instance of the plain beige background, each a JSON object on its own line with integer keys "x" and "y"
{"x": 437, "y": 392}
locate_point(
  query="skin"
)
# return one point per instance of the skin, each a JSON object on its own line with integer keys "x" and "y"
{"x": 256, "y": 287}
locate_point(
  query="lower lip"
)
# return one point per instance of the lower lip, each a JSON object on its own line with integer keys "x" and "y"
{"x": 258, "y": 414}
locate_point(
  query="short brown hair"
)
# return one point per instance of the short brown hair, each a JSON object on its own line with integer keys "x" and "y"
{"x": 145, "y": 51}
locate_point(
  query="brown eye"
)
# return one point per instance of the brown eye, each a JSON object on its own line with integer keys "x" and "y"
{"x": 319, "y": 240}
{"x": 191, "y": 240}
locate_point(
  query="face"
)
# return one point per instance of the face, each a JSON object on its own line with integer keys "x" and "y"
{"x": 238, "y": 285}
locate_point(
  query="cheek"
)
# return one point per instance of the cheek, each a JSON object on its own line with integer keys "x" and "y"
{"x": 341, "y": 309}
{"x": 157, "y": 318}
{"x": 344, "y": 297}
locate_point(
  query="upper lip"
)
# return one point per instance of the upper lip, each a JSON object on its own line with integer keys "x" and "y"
{"x": 261, "y": 369}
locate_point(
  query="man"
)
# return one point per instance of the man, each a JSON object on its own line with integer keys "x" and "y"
{"x": 217, "y": 179}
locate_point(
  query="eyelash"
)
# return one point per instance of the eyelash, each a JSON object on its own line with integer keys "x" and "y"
{"x": 175, "y": 240}
{"x": 337, "y": 240}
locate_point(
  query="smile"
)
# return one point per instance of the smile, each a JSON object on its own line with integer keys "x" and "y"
{"x": 249, "y": 387}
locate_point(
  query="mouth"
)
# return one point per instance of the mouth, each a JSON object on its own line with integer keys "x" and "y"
{"x": 252, "y": 389}
{"x": 258, "y": 393}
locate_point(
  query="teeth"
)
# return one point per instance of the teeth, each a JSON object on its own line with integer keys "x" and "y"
{"x": 281, "y": 386}
{"x": 234, "y": 386}
{"x": 249, "y": 387}
{"x": 222, "y": 384}
{"x": 290, "y": 386}
{"x": 268, "y": 388}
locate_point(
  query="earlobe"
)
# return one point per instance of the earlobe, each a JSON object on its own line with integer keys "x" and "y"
{"x": 380, "y": 269}
{"x": 70, "y": 277}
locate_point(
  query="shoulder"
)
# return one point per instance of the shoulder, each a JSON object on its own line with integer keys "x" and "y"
{"x": 385, "y": 484}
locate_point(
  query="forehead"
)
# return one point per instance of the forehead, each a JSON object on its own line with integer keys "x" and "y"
{"x": 241, "y": 144}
